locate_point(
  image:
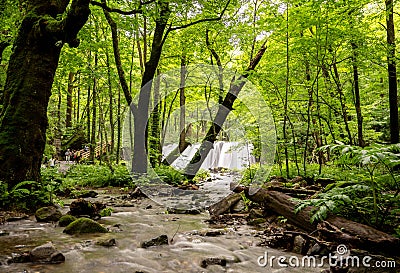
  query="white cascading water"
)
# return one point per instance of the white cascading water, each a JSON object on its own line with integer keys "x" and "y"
{"x": 229, "y": 155}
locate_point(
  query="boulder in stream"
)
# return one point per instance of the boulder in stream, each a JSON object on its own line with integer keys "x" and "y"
{"x": 82, "y": 207}
{"x": 107, "y": 243}
{"x": 213, "y": 261}
{"x": 84, "y": 225}
{"x": 65, "y": 220}
{"x": 46, "y": 253}
{"x": 160, "y": 240}
{"x": 48, "y": 214}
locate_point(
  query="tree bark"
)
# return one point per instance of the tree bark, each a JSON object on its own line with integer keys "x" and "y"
{"x": 222, "y": 113}
{"x": 141, "y": 110}
{"x": 357, "y": 101}
{"x": 30, "y": 75}
{"x": 68, "y": 116}
{"x": 391, "y": 58}
{"x": 155, "y": 141}
{"x": 92, "y": 146}
{"x": 182, "y": 102}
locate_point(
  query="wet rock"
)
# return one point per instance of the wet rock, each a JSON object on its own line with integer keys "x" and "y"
{"x": 183, "y": 211}
{"x": 17, "y": 218}
{"x": 48, "y": 214}
{"x": 65, "y": 220}
{"x": 46, "y": 253}
{"x": 84, "y": 225}
{"x": 238, "y": 207}
{"x": 107, "y": 243}
{"x": 299, "y": 243}
{"x": 213, "y": 261}
{"x": 82, "y": 207}
{"x": 318, "y": 249}
{"x": 160, "y": 240}
{"x": 19, "y": 258}
{"x": 212, "y": 232}
{"x": 4, "y": 233}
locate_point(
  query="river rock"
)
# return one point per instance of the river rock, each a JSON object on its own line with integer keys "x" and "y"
{"x": 19, "y": 258}
{"x": 299, "y": 244}
{"x": 46, "y": 253}
{"x": 107, "y": 243}
{"x": 160, "y": 240}
{"x": 65, "y": 220}
{"x": 48, "y": 214}
{"x": 213, "y": 261}
{"x": 84, "y": 225}
{"x": 82, "y": 207}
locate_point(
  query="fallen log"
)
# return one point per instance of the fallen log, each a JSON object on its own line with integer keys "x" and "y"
{"x": 224, "y": 205}
{"x": 334, "y": 228}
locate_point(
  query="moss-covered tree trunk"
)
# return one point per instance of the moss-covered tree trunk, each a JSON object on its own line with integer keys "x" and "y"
{"x": 32, "y": 65}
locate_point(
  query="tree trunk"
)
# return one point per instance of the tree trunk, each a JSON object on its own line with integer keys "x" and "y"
{"x": 182, "y": 102}
{"x": 339, "y": 88}
{"x": 30, "y": 75}
{"x": 357, "y": 101}
{"x": 94, "y": 114}
{"x": 222, "y": 113}
{"x": 119, "y": 127}
{"x": 111, "y": 102}
{"x": 141, "y": 110}
{"x": 391, "y": 58}
{"x": 68, "y": 116}
{"x": 155, "y": 141}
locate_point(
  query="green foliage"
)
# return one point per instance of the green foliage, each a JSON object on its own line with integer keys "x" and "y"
{"x": 374, "y": 199}
{"x": 169, "y": 175}
{"x": 106, "y": 212}
{"x": 97, "y": 176}
{"x": 26, "y": 195}
{"x": 201, "y": 175}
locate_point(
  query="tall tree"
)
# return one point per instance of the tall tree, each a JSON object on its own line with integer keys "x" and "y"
{"x": 391, "y": 59}
{"x": 30, "y": 74}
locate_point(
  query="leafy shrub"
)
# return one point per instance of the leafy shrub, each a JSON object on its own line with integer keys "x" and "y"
{"x": 97, "y": 176}
{"x": 373, "y": 199}
{"x": 169, "y": 175}
{"x": 26, "y": 195}
{"x": 201, "y": 175}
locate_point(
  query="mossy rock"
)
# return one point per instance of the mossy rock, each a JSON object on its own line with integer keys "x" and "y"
{"x": 84, "y": 225}
{"x": 66, "y": 220}
{"x": 48, "y": 214}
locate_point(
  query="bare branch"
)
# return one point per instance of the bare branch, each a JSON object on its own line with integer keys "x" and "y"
{"x": 123, "y": 12}
{"x": 202, "y": 20}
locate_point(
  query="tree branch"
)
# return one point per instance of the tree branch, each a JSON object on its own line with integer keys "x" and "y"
{"x": 123, "y": 12}
{"x": 203, "y": 20}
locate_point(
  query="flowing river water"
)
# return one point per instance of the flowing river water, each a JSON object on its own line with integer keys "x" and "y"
{"x": 132, "y": 225}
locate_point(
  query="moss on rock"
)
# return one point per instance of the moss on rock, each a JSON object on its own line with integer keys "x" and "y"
{"x": 84, "y": 225}
{"x": 48, "y": 214}
{"x": 66, "y": 220}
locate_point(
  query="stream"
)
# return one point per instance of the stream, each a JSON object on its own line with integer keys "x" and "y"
{"x": 133, "y": 224}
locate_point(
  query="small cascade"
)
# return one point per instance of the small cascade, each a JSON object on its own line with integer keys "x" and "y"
{"x": 229, "y": 155}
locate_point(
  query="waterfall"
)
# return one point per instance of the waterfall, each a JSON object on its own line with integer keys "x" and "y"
{"x": 229, "y": 155}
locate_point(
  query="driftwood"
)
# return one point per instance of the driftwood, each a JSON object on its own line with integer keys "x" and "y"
{"x": 334, "y": 228}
